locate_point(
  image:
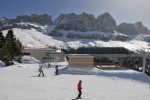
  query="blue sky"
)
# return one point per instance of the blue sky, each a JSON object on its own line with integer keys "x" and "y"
{"x": 129, "y": 11}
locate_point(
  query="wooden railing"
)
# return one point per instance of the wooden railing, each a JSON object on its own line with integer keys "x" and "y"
{"x": 104, "y": 64}
{"x": 110, "y": 64}
{"x": 126, "y": 66}
{"x": 38, "y": 48}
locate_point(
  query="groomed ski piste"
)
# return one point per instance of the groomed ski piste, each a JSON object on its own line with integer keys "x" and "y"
{"x": 20, "y": 82}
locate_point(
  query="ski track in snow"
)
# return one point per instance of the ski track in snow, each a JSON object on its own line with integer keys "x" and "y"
{"x": 22, "y": 83}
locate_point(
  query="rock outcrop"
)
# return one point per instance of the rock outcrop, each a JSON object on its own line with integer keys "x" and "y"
{"x": 85, "y": 22}
{"x": 106, "y": 23}
{"x": 43, "y": 19}
{"x": 55, "y": 33}
{"x": 4, "y": 21}
{"x": 88, "y": 36}
{"x": 127, "y": 28}
{"x": 140, "y": 28}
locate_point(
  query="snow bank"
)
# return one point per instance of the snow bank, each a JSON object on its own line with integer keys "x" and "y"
{"x": 2, "y": 64}
{"x": 125, "y": 74}
{"x": 29, "y": 60}
{"x": 121, "y": 74}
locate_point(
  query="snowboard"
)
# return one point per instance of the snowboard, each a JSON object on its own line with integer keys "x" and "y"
{"x": 80, "y": 98}
{"x": 41, "y": 76}
{"x": 37, "y": 76}
{"x": 55, "y": 73}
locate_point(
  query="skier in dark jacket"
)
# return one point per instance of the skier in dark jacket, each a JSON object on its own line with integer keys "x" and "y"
{"x": 79, "y": 87}
{"x": 41, "y": 71}
{"x": 56, "y": 70}
{"x": 49, "y": 65}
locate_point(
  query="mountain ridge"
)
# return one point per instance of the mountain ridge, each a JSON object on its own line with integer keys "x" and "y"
{"x": 81, "y": 22}
{"x": 128, "y": 35}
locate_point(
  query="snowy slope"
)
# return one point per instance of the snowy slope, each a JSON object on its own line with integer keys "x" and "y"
{"x": 20, "y": 82}
{"x": 34, "y": 38}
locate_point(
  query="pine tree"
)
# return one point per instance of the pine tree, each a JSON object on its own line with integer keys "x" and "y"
{"x": 8, "y": 49}
{"x": 18, "y": 48}
{"x": 1, "y": 44}
{"x": 1, "y": 40}
{"x": 12, "y": 48}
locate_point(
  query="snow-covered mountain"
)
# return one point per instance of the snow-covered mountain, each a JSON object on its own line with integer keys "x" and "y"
{"x": 77, "y": 30}
{"x": 35, "y": 38}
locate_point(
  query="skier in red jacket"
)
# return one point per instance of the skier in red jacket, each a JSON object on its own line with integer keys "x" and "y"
{"x": 79, "y": 87}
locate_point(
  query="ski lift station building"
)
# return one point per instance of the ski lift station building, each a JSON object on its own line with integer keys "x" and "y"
{"x": 83, "y": 56}
{"x": 42, "y": 54}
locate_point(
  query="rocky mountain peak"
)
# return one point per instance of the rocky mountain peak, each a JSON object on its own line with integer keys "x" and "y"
{"x": 106, "y": 23}
{"x": 82, "y": 22}
{"x": 64, "y": 18}
{"x": 141, "y": 28}
{"x": 127, "y": 28}
{"x": 130, "y": 28}
{"x": 4, "y": 21}
{"x": 86, "y": 22}
{"x": 43, "y": 19}
{"x": 89, "y": 21}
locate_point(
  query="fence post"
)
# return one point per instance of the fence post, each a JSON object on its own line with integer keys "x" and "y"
{"x": 144, "y": 60}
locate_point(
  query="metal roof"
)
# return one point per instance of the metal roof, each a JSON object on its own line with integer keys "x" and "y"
{"x": 102, "y": 50}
